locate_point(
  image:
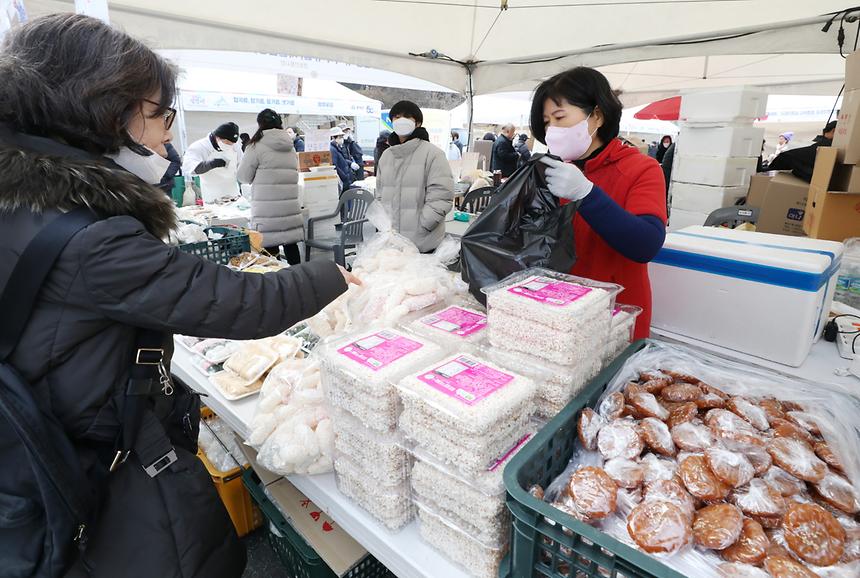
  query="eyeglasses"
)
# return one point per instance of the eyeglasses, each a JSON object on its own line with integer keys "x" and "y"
{"x": 169, "y": 113}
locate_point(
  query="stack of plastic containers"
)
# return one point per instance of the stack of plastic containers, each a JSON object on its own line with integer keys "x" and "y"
{"x": 359, "y": 374}
{"x": 621, "y": 334}
{"x": 464, "y": 417}
{"x": 554, "y": 328}
{"x": 716, "y": 152}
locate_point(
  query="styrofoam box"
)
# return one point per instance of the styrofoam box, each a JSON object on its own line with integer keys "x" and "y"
{"x": 723, "y": 105}
{"x": 681, "y": 219}
{"x": 704, "y": 198}
{"x": 714, "y": 171}
{"x": 760, "y": 294}
{"x": 721, "y": 141}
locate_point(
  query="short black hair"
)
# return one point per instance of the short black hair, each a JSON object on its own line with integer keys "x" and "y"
{"x": 74, "y": 78}
{"x": 455, "y": 134}
{"x": 408, "y": 109}
{"x": 585, "y": 88}
{"x": 830, "y": 126}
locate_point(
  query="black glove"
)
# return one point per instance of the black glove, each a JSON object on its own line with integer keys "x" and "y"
{"x": 207, "y": 166}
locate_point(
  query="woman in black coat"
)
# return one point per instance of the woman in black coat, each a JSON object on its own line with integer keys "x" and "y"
{"x": 86, "y": 114}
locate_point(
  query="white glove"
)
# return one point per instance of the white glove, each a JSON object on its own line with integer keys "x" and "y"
{"x": 565, "y": 180}
{"x": 354, "y": 166}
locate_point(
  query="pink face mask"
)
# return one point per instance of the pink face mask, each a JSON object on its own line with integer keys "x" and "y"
{"x": 569, "y": 143}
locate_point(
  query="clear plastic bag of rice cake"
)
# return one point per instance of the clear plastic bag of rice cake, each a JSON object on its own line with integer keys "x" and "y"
{"x": 371, "y": 362}
{"x": 252, "y": 361}
{"x": 468, "y": 394}
{"x": 552, "y": 299}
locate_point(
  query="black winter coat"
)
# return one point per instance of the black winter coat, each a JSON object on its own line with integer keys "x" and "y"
{"x": 116, "y": 275}
{"x": 505, "y": 158}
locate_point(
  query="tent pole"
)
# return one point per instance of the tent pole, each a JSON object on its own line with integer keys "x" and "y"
{"x": 470, "y": 97}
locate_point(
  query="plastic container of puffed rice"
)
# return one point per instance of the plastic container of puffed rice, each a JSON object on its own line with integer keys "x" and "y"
{"x": 556, "y": 384}
{"x": 467, "y": 395}
{"x": 551, "y": 299}
{"x": 382, "y": 455}
{"x": 389, "y": 505}
{"x": 622, "y": 330}
{"x": 478, "y": 559}
{"x": 359, "y": 372}
{"x": 455, "y": 326}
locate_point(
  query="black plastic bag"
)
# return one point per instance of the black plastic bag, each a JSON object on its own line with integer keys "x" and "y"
{"x": 524, "y": 226}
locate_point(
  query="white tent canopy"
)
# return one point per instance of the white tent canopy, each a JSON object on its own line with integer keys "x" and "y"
{"x": 649, "y": 48}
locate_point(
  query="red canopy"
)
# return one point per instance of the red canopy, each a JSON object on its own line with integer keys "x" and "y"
{"x": 666, "y": 109}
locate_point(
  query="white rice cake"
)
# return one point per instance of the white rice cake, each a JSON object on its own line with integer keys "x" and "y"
{"x": 469, "y": 395}
{"x": 382, "y": 455}
{"x": 551, "y": 302}
{"x": 454, "y": 326}
{"x": 379, "y": 414}
{"x": 370, "y": 363}
{"x": 392, "y": 507}
{"x": 479, "y": 560}
{"x": 578, "y": 344}
{"x": 469, "y": 462}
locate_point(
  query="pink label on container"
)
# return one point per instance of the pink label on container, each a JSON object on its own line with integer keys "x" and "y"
{"x": 466, "y": 379}
{"x": 456, "y": 321}
{"x": 380, "y": 349}
{"x": 616, "y": 311}
{"x": 550, "y": 291}
{"x": 496, "y": 463}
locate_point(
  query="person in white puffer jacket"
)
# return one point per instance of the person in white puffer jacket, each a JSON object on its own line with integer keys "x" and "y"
{"x": 414, "y": 180}
{"x": 271, "y": 165}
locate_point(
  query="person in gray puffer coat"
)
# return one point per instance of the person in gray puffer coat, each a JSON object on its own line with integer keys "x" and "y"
{"x": 85, "y": 114}
{"x": 271, "y": 165}
{"x": 414, "y": 180}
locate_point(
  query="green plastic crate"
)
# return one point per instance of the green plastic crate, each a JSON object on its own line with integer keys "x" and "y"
{"x": 234, "y": 242}
{"x": 297, "y": 556}
{"x": 536, "y": 544}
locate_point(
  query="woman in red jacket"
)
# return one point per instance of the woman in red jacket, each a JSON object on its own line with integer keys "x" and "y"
{"x": 621, "y": 223}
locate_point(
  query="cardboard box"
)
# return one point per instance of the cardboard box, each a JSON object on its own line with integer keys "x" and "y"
{"x": 852, "y": 71}
{"x": 831, "y": 213}
{"x": 314, "y": 159}
{"x": 845, "y": 178}
{"x": 337, "y": 548}
{"x": 783, "y": 206}
{"x": 758, "y": 188}
{"x": 847, "y": 137}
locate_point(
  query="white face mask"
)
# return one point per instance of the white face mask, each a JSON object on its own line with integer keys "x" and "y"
{"x": 403, "y": 126}
{"x": 339, "y": 140}
{"x": 149, "y": 169}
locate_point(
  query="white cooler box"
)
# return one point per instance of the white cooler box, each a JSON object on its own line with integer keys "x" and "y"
{"x": 714, "y": 171}
{"x": 721, "y": 141}
{"x": 681, "y": 219}
{"x": 319, "y": 196}
{"x": 760, "y": 294}
{"x": 736, "y": 104}
{"x": 704, "y": 198}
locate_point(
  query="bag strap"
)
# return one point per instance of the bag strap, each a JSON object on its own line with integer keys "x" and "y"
{"x": 141, "y": 431}
{"x": 30, "y": 272}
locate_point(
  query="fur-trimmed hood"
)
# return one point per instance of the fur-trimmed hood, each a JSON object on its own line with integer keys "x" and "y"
{"x": 41, "y": 174}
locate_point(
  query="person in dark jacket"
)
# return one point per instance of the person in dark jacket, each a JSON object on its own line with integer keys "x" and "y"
{"x": 455, "y": 138}
{"x": 173, "y": 170}
{"x": 666, "y": 164}
{"x": 522, "y": 149}
{"x": 825, "y": 139}
{"x": 801, "y": 161}
{"x": 381, "y": 145}
{"x": 298, "y": 141}
{"x": 664, "y": 145}
{"x": 505, "y": 157}
{"x": 64, "y": 147}
{"x": 339, "y": 158}
{"x": 354, "y": 154}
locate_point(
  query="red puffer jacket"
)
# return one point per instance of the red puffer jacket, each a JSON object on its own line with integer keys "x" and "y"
{"x": 634, "y": 181}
